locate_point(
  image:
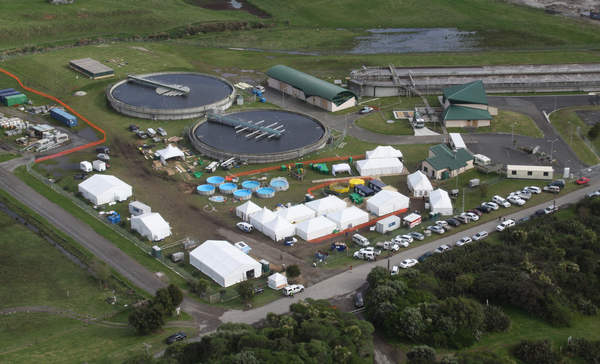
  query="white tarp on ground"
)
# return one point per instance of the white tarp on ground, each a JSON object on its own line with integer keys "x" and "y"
{"x": 374, "y": 167}
{"x": 440, "y": 202}
{"x": 170, "y": 152}
{"x": 224, "y": 263}
{"x": 315, "y": 228}
{"x": 258, "y": 219}
{"x": 101, "y": 189}
{"x": 419, "y": 184}
{"x": 151, "y": 225}
{"x": 323, "y": 206}
{"x": 278, "y": 229}
{"x": 277, "y": 281}
{"x": 244, "y": 211}
{"x": 339, "y": 168}
{"x": 384, "y": 152}
{"x": 296, "y": 213}
{"x": 348, "y": 217}
{"x": 386, "y": 202}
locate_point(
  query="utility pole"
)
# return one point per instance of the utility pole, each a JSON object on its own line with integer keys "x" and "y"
{"x": 552, "y": 149}
{"x": 571, "y": 140}
{"x": 512, "y": 135}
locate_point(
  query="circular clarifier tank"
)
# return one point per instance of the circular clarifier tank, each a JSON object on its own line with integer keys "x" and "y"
{"x": 206, "y": 190}
{"x": 243, "y": 194}
{"x": 215, "y": 181}
{"x": 265, "y": 192}
{"x": 251, "y": 185}
{"x": 228, "y": 188}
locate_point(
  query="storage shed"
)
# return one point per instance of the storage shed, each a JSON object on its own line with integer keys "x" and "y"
{"x": 151, "y": 225}
{"x": 137, "y": 208}
{"x": 101, "y": 189}
{"x": 386, "y": 202}
{"x": 278, "y": 229}
{"x": 315, "y": 228}
{"x": 324, "y": 206}
{"x": 245, "y": 210}
{"x": 363, "y": 190}
{"x": 530, "y": 172}
{"x": 376, "y": 185}
{"x": 419, "y": 184}
{"x": 63, "y": 117}
{"x": 91, "y": 68}
{"x": 388, "y": 224}
{"x": 373, "y": 167}
{"x": 224, "y": 263}
{"x": 296, "y": 213}
{"x": 277, "y": 281}
{"x": 348, "y": 217}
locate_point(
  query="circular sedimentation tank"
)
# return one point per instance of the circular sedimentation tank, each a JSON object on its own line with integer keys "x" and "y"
{"x": 265, "y": 192}
{"x": 234, "y": 134}
{"x": 163, "y": 96}
{"x": 206, "y": 190}
{"x": 279, "y": 184}
{"x": 251, "y": 185}
{"x": 243, "y": 194}
{"x": 215, "y": 181}
{"x": 228, "y": 188}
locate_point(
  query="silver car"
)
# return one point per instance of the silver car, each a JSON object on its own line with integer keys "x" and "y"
{"x": 436, "y": 229}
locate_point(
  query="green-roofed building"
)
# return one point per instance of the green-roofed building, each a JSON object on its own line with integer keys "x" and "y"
{"x": 445, "y": 163}
{"x": 467, "y": 105}
{"x": 310, "y": 89}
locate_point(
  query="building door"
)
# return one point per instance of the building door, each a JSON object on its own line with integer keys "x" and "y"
{"x": 324, "y": 104}
{"x": 475, "y": 122}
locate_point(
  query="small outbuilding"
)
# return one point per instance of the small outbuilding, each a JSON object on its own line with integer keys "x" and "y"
{"x": 170, "y": 152}
{"x": 151, "y": 225}
{"x": 101, "y": 189}
{"x": 137, "y": 208}
{"x": 315, "y": 228}
{"x": 388, "y": 224}
{"x": 419, "y": 184}
{"x": 444, "y": 163}
{"x": 384, "y": 152}
{"x": 324, "y": 206}
{"x": 530, "y": 172}
{"x": 386, "y": 202}
{"x": 348, "y": 217}
{"x": 277, "y": 281}
{"x": 440, "y": 202}
{"x": 245, "y": 210}
{"x": 374, "y": 167}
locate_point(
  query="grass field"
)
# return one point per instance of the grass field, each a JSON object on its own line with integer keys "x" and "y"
{"x": 567, "y": 122}
{"x": 502, "y": 123}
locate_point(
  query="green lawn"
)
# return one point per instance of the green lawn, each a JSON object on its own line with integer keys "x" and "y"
{"x": 567, "y": 123}
{"x": 502, "y": 123}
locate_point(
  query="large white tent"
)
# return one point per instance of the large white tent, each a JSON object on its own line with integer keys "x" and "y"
{"x": 224, "y": 263}
{"x": 315, "y": 228}
{"x": 258, "y": 219}
{"x": 323, "y": 206}
{"x": 386, "y": 202}
{"x": 278, "y": 229}
{"x": 440, "y": 202}
{"x": 373, "y": 167}
{"x": 348, "y": 217}
{"x": 419, "y": 184}
{"x": 384, "y": 152}
{"x": 151, "y": 225}
{"x": 101, "y": 189}
{"x": 296, "y": 213}
{"x": 170, "y": 152}
{"x": 245, "y": 210}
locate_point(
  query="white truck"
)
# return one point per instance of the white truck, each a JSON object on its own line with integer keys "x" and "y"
{"x": 371, "y": 250}
{"x": 364, "y": 255}
{"x": 387, "y": 245}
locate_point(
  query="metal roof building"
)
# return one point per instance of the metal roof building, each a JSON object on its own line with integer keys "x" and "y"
{"x": 91, "y": 68}
{"x": 444, "y": 163}
{"x": 467, "y": 105}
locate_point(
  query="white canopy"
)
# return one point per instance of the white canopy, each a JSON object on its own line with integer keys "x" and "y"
{"x": 277, "y": 281}
{"x": 373, "y": 167}
{"x": 338, "y": 168}
{"x": 315, "y": 228}
{"x": 440, "y": 202}
{"x": 170, "y": 152}
{"x": 278, "y": 229}
{"x": 151, "y": 225}
{"x": 258, "y": 219}
{"x": 224, "y": 263}
{"x": 419, "y": 184}
{"x": 101, "y": 189}
{"x": 296, "y": 213}
{"x": 386, "y": 202}
{"x": 323, "y": 206}
{"x": 384, "y": 152}
{"x": 348, "y": 217}
{"x": 245, "y": 210}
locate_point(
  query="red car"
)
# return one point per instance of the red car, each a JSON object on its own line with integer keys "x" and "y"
{"x": 582, "y": 180}
{"x": 476, "y": 212}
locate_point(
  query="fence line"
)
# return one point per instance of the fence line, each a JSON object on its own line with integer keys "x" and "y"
{"x": 583, "y": 136}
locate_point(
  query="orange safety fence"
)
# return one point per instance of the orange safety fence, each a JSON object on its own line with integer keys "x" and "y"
{"x": 272, "y": 168}
{"x": 346, "y": 179}
{"x": 70, "y": 109}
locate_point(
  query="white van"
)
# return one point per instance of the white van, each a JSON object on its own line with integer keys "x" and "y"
{"x": 360, "y": 240}
{"x": 505, "y": 224}
{"x": 501, "y": 201}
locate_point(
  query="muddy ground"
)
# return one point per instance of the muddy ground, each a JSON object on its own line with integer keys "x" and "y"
{"x": 567, "y": 7}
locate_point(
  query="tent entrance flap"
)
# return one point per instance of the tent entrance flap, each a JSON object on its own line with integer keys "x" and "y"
{"x": 250, "y": 273}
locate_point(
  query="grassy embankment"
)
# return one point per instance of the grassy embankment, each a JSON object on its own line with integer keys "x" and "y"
{"x": 567, "y": 122}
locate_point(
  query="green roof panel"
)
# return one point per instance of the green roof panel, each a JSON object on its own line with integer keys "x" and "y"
{"x": 469, "y": 93}
{"x": 454, "y": 112}
{"x": 444, "y": 158}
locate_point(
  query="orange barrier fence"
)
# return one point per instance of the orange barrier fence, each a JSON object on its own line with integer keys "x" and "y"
{"x": 272, "y": 168}
{"x": 346, "y": 179}
{"x": 68, "y": 108}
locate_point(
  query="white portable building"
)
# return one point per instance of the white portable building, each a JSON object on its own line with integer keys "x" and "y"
{"x": 151, "y": 225}
{"x": 170, "y": 152}
{"x": 137, "y": 208}
{"x": 224, "y": 263}
{"x": 258, "y": 219}
{"x": 348, "y": 217}
{"x": 383, "y": 152}
{"x": 296, "y": 213}
{"x": 245, "y": 210}
{"x": 315, "y": 228}
{"x": 101, "y": 189}
{"x": 339, "y": 168}
{"x": 374, "y": 167}
{"x": 386, "y": 202}
{"x": 99, "y": 165}
{"x": 277, "y": 281}
{"x": 440, "y": 202}
{"x": 456, "y": 141}
{"x": 85, "y": 166}
{"x": 419, "y": 184}
{"x": 390, "y": 223}
{"x": 323, "y": 206}
{"x": 278, "y": 228}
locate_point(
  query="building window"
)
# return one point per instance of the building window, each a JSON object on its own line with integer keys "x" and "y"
{"x": 424, "y": 169}
{"x": 530, "y": 173}
{"x": 545, "y": 174}
{"x": 514, "y": 173}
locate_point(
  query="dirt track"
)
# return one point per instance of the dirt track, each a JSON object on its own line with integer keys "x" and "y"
{"x": 569, "y": 7}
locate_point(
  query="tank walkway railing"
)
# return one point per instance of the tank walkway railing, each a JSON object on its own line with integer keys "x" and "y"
{"x": 394, "y": 74}
{"x": 184, "y": 89}
{"x": 255, "y": 128}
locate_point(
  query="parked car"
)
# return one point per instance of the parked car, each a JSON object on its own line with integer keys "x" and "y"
{"x": 447, "y": 227}
{"x": 103, "y": 157}
{"x": 593, "y": 194}
{"x": 104, "y": 150}
{"x": 151, "y": 133}
{"x": 407, "y": 237}
{"x": 245, "y": 227}
{"x": 494, "y": 206}
{"x": 516, "y": 200}
{"x": 484, "y": 208}
{"x": 550, "y": 209}
{"x": 551, "y": 189}
{"x": 407, "y": 263}
{"x": 176, "y": 337}
{"x": 522, "y": 220}
{"x": 258, "y": 290}
{"x": 423, "y": 257}
{"x": 400, "y": 242}
{"x": 436, "y": 229}
{"x": 538, "y": 213}
{"x": 475, "y": 212}
{"x": 582, "y": 180}
{"x": 463, "y": 241}
{"x": 134, "y": 128}
{"x": 453, "y": 222}
{"x": 501, "y": 201}
{"x": 480, "y": 236}
{"x": 442, "y": 249}
{"x": 395, "y": 270}
{"x": 521, "y": 194}
{"x": 471, "y": 215}
{"x": 559, "y": 182}
{"x": 287, "y": 290}
{"x": 141, "y": 134}
{"x": 441, "y": 223}
{"x": 366, "y": 110}
{"x": 259, "y": 89}
{"x": 417, "y": 236}
{"x": 505, "y": 224}
{"x": 358, "y": 301}
{"x": 533, "y": 189}
{"x": 463, "y": 219}
{"x": 161, "y": 131}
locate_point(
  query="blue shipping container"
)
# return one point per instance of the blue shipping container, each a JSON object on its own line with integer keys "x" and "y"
{"x": 6, "y": 90}
{"x": 65, "y": 118}
{"x": 8, "y": 93}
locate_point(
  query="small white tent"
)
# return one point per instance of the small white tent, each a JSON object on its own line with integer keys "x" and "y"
{"x": 151, "y": 225}
{"x": 170, "y": 152}
{"x": 323, "y": 206}
{"x": 277, "y": 281}
{"x": 348, "y": 217}
{"x": 384, "y": 152}
{"x": 101, "y": 189}
{"x": 419, "y": 184}
{"x": 296, "y": 213}
{"x": 374, "y": 167}
{"x": 245, "y": 210}
{"x": 258, "y": 219}
{"x": 315, "y": 228}
{"x": 386, "y": 202}
{"x": 440, "y": 202}
{"x": 224, "y": 263}
{"x": 278, "y": 229}
{"x": 339, "y": 168}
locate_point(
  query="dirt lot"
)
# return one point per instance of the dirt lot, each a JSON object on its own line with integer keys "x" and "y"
{"x": 569, "y": 7}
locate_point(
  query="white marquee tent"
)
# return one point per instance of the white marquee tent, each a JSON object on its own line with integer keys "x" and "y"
{"x": 224, "y": 263}
{"x": 386, "y": 202}
{"x": 277, "y": 281}
{"x": 151, "y": 225}
{"x": 245, "y": 210}
{"x": 170, "y": 152}
{"x": 419, "y": 184}
{"x": 348, "y": 217}
{"x": 296, "y": 213}
{"x": 440, "y": 202}
{"x": 323, "y": 206}
{"x": 258, "y": 219}
{"x": 373, "y": 167}
{"x": 315, "y": 228}
{"x": 101, "y": 189}
{"x": 339, "y": 168}
{"x": 278, "y": 229}
{"x": 384, "y": 152}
